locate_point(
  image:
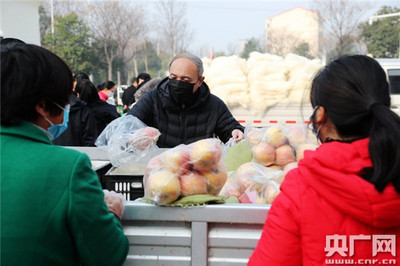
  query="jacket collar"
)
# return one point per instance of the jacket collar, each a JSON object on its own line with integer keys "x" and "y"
{"x": 26, "y": 130}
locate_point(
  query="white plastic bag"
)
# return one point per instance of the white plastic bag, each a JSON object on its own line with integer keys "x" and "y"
{"x": 127, "y": 139}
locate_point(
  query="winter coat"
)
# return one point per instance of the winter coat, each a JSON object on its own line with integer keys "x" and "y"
{"x": 128, "y": 97}
{"x": 323, "y": 199}
{"x": 82, "y": 130}
{"x": 205, "y": 117}
{"x": 52, "y": 205}
{"x": 104, "y": 114}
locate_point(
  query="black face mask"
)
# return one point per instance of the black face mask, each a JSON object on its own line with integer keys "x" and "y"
{"x": 181, "y": 92}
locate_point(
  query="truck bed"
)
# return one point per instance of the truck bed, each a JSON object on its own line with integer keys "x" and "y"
{"x": 218, "y": 234}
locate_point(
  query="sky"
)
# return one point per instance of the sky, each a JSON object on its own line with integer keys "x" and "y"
{"x": 221, "y": 24}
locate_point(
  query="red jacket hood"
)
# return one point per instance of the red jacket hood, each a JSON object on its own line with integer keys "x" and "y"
{"x": 333, "y": 172}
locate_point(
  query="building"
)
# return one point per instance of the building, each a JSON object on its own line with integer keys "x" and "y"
{"x": 289, "y": 29}
{"x": 20, "y": 20}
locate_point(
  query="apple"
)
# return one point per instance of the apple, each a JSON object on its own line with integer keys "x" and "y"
{"x": 177, "y": 160}
{"x": 193, "y": 183}
{"x": 296, "y": 135}
{"x": 264, "y": 154}
{"x": 275, "y": 136}
{"x": 215, "y": 180}
{"x": 152, "y": 132}
{"x": 275, "y": 166}
{"x": 231, "y": 189}
{"x": 205, "y": 154}
{"x": 143, "y": 138}
{"x": 303, "y": 147}
{"x": 162, "y": 186}
{"x": 285, "y": 155}
{"x": 288, "y": 167}
{"x": 154, "y": 164}
{"x": 271, "y": 191}
{"x": 254, "y": 136}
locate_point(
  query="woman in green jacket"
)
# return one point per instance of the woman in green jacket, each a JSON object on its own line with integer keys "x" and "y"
{"x": 53, "y": 210}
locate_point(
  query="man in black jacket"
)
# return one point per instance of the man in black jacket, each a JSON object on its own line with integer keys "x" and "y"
{"x": 128, "y": 97}
{"x": 82, "y": 129}
{"x": 183, "y": 109}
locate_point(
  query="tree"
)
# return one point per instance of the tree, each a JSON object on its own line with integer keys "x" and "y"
{"x": 303, "y": 49}
{"x": 340, "y": 19}
{"x": 173, "y": 28}
{"x": 116, "y": 28}
{"x": 149, "y": 61}
{"x": 382, "y": 36}
{"x": 70, "y": 42}
{"x": 281, "y": 41}
{"x": 250, "y": 46}
{"x": 44, "y": 21}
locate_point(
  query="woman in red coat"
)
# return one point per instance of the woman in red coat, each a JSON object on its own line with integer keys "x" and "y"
{"x": 342, "y": 204}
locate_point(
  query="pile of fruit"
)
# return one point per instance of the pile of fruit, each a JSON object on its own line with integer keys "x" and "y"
{"x": 276, "y": 150}
{"x": 185, "y": 170}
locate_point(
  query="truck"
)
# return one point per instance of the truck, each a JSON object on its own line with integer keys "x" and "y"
{"x": 213, "y": 234}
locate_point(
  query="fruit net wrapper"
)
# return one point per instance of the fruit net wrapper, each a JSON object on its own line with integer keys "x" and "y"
{"x": 253, "y": 183}
{"x": 127, "y": 139}
{"x": 278, "y": 146}
{"x": 185, "y": 170}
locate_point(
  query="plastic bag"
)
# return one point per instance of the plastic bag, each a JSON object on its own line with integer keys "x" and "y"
{"x": 127, "y": 139}
{"x": 253, "y": 183}
{"x": 185, "y": 170}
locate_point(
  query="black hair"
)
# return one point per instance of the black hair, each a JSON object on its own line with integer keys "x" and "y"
{"x": 355, "y": 94}
{"x": 108, "y": 85}
{"x": 9, "y": 42}
{"x": 133, "y": 80}
{"x": 144, "y": 76}
{"x": 80, "y": 76}
{"x": 87, "y": 91}
{"x": 30, "y": 74}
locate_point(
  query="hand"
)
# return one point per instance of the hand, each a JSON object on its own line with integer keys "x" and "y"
{"x": 115, "y": 202}
{"x": 237, "y": 135}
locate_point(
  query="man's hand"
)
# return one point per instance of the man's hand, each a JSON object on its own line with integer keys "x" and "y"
{"x": 237, "y": 135}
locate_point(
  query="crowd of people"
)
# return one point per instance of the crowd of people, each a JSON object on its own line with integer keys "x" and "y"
{"x": 348, "y": 187}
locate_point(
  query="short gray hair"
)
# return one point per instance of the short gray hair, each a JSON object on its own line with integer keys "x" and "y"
{"x": 196, "y": 60}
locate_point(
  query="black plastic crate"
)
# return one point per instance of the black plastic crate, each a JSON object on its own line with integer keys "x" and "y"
{"x": 131, "y": 186}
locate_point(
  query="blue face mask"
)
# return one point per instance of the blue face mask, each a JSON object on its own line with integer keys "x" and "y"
{"x": 56, "y": 130}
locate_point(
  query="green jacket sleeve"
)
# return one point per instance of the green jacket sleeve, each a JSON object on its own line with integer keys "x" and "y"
{"x": 98, "y": 234}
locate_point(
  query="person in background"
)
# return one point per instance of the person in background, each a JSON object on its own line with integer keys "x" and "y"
{"x": 53, "y": 210}
{"x": 78, "y": 77}
{"x": 82, "y": 129}
{"x": 148, "y": 86}
{"x": 103, "y": 112}
{"x": 183, "y": 109}
{"x": 128, "y": 93}
{"x": 128, "y": 97}
{"x": 107, "y": 90}
{"x": 344, "y": 197}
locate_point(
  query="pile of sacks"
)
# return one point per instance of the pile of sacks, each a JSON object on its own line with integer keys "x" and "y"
{"x": 261, "y": 81}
